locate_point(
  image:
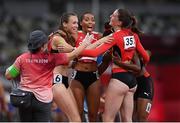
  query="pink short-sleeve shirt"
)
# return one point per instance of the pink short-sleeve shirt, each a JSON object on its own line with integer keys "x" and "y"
{"x": 36, "y": 73}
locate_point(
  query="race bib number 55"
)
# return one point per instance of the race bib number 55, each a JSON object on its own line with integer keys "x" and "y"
{"x": 129, "y": 42}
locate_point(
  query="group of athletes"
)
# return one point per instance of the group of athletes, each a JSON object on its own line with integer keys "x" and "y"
{"x": 69, "y": 56}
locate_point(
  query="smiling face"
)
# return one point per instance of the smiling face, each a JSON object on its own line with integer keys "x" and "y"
{"x": 88, "y": 22}
{"x": 72, "y": 25}
{"x": 114, "y": 20}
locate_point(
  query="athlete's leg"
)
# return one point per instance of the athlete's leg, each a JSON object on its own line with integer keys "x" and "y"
{"x": 72, "y": 96}
{"x": 57, "y": 115}
{"x": 93, "y": 100}
{"x": 134, "y": 118}
{"x": 127, "y": 106}
{"x": 144, "y": 97}
{"x": 103, "y": 89}
{"x": 64, "y": 101}
{"x": 114, "y": 97}
{"x": 143, "y": 109}
{"x": 79, "y": 93}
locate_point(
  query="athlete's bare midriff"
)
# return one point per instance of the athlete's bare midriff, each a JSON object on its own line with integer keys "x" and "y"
{"x": 86, "y": 66}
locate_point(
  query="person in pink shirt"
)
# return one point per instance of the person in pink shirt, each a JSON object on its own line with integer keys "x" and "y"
{"x": 35, "y": 69}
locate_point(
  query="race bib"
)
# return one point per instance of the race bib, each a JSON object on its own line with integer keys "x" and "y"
{"x": 73, "y": 75}
{"x": 57, "y": 78}
{"x": 129, "y": 42}
{"x": 148, "y": 107}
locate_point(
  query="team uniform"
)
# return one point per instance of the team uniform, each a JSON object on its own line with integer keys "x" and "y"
{"x": 144, "y": 95}
{"x": 128, "y": 42}
{"x": 82, "y": 76}
{"x": 145, "y": 88}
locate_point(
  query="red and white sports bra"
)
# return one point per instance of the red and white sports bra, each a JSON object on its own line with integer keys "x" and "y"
{"x": 79, "y": 40}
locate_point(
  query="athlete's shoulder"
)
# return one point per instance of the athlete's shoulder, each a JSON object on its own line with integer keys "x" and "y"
{"x": 80, "y": 32}
{"x": 57, "y": 33}
{"x": 97, "y": 35}
{"x": 117, "y": 33}
{"x": 94, "y": 32}
{"x": 136, "y": 36}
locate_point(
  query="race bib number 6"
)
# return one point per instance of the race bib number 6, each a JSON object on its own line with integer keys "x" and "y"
{"x": 57, "y": 78}
{"x": 129, "y": 42}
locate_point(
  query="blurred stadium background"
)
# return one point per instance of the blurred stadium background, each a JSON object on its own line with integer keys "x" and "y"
{"x": 159, "y": 19}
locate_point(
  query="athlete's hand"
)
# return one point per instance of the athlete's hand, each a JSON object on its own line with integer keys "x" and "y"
{"x": 87, "y": 40}
{"x": 64, "y": 49}
{"x": 149, "y": 52}
{"x": 116, "y": 60}
{"x": 61, "y": 48}
{"x": 53, "y": 106}
{"x": 127, "y": 62}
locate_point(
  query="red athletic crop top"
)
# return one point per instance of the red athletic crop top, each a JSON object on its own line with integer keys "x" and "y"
{"x": 79, "y": 40}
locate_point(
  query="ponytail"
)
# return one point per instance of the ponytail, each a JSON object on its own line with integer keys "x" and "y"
{"x": 134, "y": 26}
{"x": 128, "y": 20}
